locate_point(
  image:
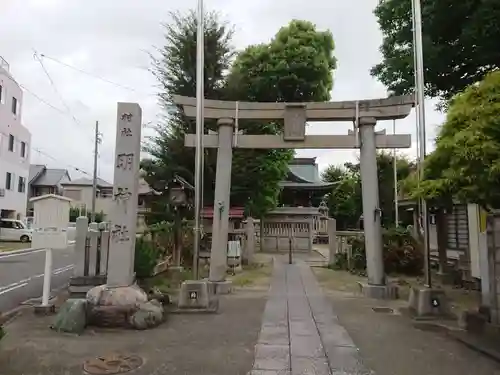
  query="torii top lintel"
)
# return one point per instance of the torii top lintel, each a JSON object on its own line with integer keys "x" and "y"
{"x": 392, "y": 108}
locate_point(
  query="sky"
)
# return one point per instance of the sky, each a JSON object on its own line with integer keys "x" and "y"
{"x": 112, "y": 39}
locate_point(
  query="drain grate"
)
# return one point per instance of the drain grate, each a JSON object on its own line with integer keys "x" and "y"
{"x": 112, "y": 364}
{"x": 385, "y": 310}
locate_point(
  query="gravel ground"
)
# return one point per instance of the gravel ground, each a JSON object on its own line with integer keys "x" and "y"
{"x": 390, "y": 344}
{"x": 201, "y": 344}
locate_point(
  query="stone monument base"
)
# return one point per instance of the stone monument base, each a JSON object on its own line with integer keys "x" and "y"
{"x": 428, "y": 302}
{"x": 197, "y": 296}
{"x": 222, "y": 287}
{"x": 42, "y": 310}
{"x": 126, "y": 307}
{"x": 389, "y": 291}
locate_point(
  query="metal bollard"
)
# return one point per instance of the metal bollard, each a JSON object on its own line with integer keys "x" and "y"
{"x": 289, "y": 250}
{"x": 47, "y": 277}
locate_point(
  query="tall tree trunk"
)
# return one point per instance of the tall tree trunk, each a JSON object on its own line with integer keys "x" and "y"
{"x": 442, "y": 242}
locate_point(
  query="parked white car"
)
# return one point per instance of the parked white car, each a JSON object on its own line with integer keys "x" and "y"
{"x": 15, "y": 230}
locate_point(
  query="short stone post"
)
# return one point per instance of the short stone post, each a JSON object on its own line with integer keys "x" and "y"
{"x": 82, "y": 224}
{"x": 332, "y": 240}
{"x": 103, "y": 267}
{"x": 218, "y": 254}
{"x": 123, "y": 215}
{"x": 250, "y": 241}
{"x": 94, "y": 239}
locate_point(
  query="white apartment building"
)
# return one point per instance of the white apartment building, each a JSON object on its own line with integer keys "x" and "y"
{"x": 15, "y": 142}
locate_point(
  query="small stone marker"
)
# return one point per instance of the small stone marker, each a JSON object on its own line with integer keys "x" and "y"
{"x": 198, "y": 296}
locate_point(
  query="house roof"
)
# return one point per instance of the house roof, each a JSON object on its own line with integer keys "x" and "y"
{"x": 89, "y": 182}
{"x": 40, "y": 175}
{"x": 303, "y": 173}
{"x": 35, "y": 171}
{"x": 51, "y": 196}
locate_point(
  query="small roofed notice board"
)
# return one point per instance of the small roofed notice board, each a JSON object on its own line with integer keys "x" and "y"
{"x": 50, "y": 222}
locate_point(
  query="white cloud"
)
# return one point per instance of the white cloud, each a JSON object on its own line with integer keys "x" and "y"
{"x": 111, "y": 39}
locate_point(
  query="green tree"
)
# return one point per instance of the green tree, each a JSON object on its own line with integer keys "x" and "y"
{"x": 333, "y": 173}
{"x": 345, "y": 199}
{"x": 296, "y": 66}
{"x": 460, "y": 43}
{"x": 466, "y": 162}
{"x": 175, "y": 70}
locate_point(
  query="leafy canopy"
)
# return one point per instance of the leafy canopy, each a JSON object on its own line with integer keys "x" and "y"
{"x": 460, "y": 44}
{"x": 345, "y": 199}
{"x": 466, "y": 162}
{"x": 296, "y": 65}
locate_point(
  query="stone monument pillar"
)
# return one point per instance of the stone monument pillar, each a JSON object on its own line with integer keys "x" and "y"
{"x": 123, "y": 215}
{"x": 371, "y": 209}
{"x": 218, "y": 255}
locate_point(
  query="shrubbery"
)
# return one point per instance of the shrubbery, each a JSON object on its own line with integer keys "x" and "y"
{"x": 146, "y": 258}
{"x": 401, "y": 254}
{"x": 156, "y": 243}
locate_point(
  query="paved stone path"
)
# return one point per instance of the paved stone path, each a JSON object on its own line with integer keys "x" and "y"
{"x": 300, "y": 335}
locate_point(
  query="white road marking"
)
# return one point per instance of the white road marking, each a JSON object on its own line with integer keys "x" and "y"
{"x": 23, "y": 283}
{"x": 13, "y": 288}
{"x": 21, "y": 254}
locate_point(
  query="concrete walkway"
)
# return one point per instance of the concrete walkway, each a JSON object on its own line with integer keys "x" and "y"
{"x": 300, "y": 334}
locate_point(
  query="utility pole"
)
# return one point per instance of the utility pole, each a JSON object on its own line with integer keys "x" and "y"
{"x": 97, "y": 141}
{"x": 198, "y": 170}
{"x": 395, "y": 171}
{"x": 420, "y": 83}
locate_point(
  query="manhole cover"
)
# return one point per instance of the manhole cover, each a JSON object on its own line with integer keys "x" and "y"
{"x": 386, "y": 310}
{"x": 112, "y": 364}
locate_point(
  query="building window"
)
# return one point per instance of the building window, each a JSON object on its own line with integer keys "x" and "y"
{"x": 21, "y": 188}
{"x": 23, "y": 149}
{"x": 1, "y": 94}
{"x": 14, "y": 105}
{"x": 11, "y": 142}
{"x": 8, "y": 181}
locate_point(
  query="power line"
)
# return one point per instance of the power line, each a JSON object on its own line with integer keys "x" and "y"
{"x": 54, "y": 87}
{"x": 92, "y": 74}
{"x": 42, "y": 100}
{"x": 53, "y": 158}
{"x": 58, "y": 161}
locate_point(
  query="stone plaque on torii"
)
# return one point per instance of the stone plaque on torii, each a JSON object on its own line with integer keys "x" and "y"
{"x": 364, "y": 113}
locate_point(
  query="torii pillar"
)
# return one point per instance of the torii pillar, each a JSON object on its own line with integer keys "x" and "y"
{"x": 370, "y": 196}
{"x": 218, "y": 256}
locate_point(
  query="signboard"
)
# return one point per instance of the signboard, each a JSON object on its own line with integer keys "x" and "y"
{"x": 233, "y": 249}
{"x": 53, "y": 238}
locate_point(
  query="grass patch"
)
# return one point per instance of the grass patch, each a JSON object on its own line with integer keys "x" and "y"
{"x": 167, "y": 282}
{"x": 256, "y": 274}
{"x": 337, "y": 280}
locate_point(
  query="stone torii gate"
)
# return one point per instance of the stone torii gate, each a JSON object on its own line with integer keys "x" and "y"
{"x": 364, "y": 113}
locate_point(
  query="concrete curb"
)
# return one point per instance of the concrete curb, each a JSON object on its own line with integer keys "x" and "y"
{"x": 12, "y": 314}
{"x": 16, "y": 311}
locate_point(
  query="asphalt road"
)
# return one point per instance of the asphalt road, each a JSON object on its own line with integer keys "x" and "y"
{"x": 21, "y": 276}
